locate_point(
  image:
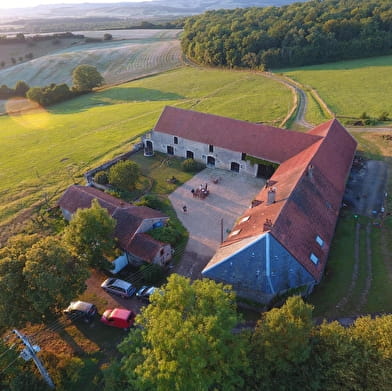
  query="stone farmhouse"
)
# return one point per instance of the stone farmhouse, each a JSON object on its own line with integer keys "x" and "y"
{"x": 132, "y": 224}
{"x": 282, "y": 241}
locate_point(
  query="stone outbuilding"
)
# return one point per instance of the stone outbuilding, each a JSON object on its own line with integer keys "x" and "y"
{"x": 132, "y": 223}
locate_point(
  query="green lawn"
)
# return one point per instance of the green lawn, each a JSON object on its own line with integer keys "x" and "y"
{"x": 45, "y": 152}
{"x": 350, "y": 87}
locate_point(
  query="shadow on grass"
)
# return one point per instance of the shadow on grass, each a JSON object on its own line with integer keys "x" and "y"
{"x": 112, "y": 96}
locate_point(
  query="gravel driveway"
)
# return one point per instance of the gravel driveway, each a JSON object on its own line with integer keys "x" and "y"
{"x": 226, "y": 201}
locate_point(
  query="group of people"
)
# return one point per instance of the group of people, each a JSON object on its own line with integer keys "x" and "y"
{"x": 201, "y": 191}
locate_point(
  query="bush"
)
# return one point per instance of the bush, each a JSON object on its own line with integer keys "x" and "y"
{"x": 167, "y": 234}
{"x": 191, "y": 165}
{"x": 124, "y": 175}
{"x": 101, "y": 177}
{"x": 383, "y": 116}
{"x": 152, "y": 202}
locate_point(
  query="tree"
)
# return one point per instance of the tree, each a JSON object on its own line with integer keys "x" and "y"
{"x": 124, "y": 174}
{"x": 280, "y": 346}
{"x": 86, "y": 77}
{"x": 21, "y": 88}
{"x": 186, "y": 340}
{"x": 52, "y": 276}
{"x": 90, "y": 235}
{"x": 40, "y": 276}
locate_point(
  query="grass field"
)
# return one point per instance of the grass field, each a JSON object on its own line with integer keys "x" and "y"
{"x": 350, "y": 87}
{"x": 44, "y": 152}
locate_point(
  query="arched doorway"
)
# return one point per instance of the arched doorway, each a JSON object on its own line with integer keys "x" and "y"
{"x": 148, "y": 148}
{"x": 210, "y": 161}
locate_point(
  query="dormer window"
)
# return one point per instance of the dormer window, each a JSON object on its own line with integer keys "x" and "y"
{"x": 319, "y": 241}
{"x": 175, "y": 140}
{"x": 246, "y": 218}
{"x": 211, "y": 148}
{"x": 236, "y": 232}
{"x": 314, "y": 259}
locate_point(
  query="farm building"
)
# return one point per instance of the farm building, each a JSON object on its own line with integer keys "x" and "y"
{"x": 132, "y": 223}
{"x": 282, "y": 241}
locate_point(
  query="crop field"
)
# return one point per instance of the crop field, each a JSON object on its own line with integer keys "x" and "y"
{"x": 131, "y": 54}
{"x": 350, "y": 87}
{"x": 44, "y": 151}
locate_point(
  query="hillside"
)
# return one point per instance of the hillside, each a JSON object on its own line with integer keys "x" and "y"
{"x": 135, "y": 10}
{"x": 129, "y": 55}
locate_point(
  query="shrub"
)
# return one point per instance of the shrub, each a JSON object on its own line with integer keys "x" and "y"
{"x": 124, "y": 174}
{"x": 383, "y": 116}
{"x": 191, "y": 165}
{"x": 152, "y": 202}
{"x": 101, "y": 177}
{"x": 167, "y": 234}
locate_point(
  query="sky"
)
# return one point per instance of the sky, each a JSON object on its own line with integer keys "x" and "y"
{"x": 33, "y": 3}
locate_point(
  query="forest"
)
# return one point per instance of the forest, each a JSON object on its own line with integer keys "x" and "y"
{"x": 307, "y": 33}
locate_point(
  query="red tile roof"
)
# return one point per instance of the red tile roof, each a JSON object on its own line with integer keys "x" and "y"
{"x": 261, "y": 141}
{"x": 128, "y": 217}
{"x": 145, "y": 247}
{"x": 309, "y": 191}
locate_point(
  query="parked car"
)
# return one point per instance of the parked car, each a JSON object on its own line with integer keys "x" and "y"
{"x": 118, "y": 287}
{"x": 118, "y": 317}
{"x": 145, "y": 292}
{"x": 80, "y": 310}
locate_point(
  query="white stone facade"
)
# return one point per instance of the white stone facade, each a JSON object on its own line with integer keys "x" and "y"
{"x": 210, "y": 155}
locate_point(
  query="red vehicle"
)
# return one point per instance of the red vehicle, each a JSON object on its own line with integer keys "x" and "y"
{"x": 118, "y": 317}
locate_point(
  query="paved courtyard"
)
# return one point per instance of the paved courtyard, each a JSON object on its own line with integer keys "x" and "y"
{"x": 204, "y": 219}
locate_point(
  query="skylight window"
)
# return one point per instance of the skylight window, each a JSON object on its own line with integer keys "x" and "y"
{"x": 314, "y": 259}
{"x": 246, "y": 218}
{"x": 236, "y": 232}
{"x": 319, "y": 241}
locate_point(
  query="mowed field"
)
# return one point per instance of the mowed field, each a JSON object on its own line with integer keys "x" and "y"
{"x": 43, "y": 152}
{"x": 349, "y": 87}
{"x": 131, "y": 54}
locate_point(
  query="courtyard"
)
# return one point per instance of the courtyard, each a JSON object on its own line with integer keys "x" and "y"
{"x": 210, "y": 220}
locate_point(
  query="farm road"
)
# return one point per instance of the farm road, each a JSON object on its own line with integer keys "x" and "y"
{"x": 302, "y": 99}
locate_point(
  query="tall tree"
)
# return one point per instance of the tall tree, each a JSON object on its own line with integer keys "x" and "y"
{"x": 53, "y": 277}
{"x": 281, "y": 345}
{"x": 90, "y": 235}
{"x": 38, "y": 276}
{"x": 86, "y": 77}
{"x": 186, "y": 340}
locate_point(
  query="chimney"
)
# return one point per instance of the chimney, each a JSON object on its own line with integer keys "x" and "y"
{"x": 267, "y": 225}
{"x": 310, "y": 171}
{"x": 271, "y": 195}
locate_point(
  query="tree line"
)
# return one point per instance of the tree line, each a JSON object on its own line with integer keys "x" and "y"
{"x": 84, "y": 77}
{"x": 305, "y": 33}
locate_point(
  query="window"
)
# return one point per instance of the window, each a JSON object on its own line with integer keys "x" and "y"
{"x": 243, "y": 156}
{"x": 314, "y": 259}
{"x": 189, "y": 155}
{"x": 211, "y": 148}
{"x": 162, "y": 251}
{"x": 170, "y": 150}
{"x": 236, "y": 232}
{"x": 175, "y": 140}
{"x": 319, "y": 241}
{"x": 235, "y": 167}
{"x": 246, "y": 218}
